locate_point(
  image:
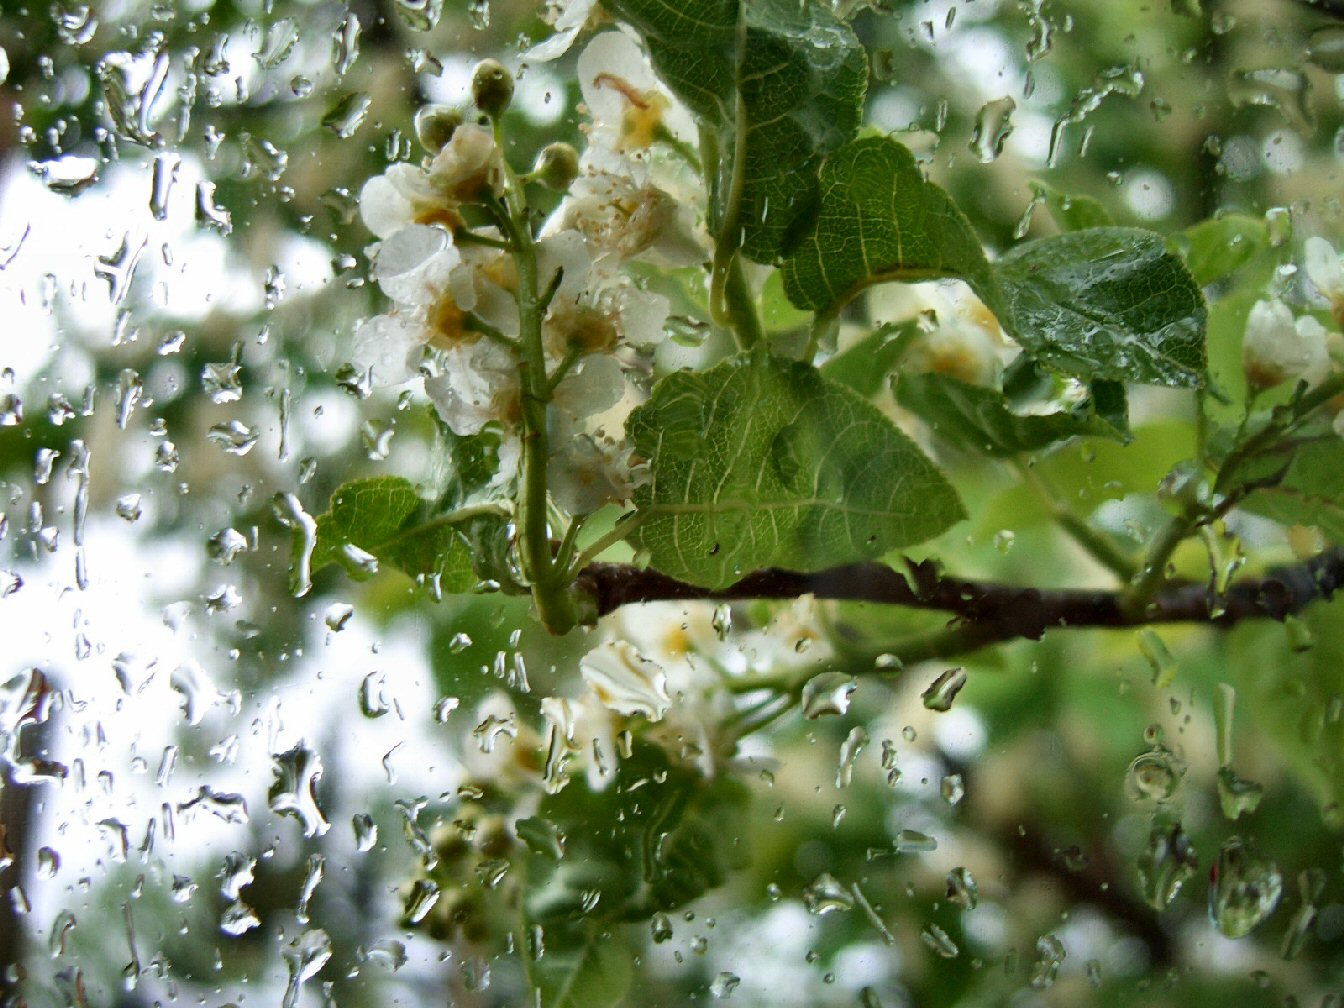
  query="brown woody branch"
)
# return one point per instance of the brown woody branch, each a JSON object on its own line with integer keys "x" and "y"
{"x": 992, "y": 611}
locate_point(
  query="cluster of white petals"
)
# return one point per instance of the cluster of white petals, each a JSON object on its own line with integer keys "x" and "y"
{"x": 1278, "y": 348}
{"x": 454, "y": 318}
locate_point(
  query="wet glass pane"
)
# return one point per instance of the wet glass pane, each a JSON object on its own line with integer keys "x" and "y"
{"x": 614, "y": 503}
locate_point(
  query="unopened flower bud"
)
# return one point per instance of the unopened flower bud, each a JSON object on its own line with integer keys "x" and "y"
{"x": 557, "y": 166}
{"x": 435, "y": 126}
{"x": 492, "y": 87}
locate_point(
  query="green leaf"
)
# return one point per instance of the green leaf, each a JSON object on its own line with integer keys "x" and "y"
{"x": 1110, "y": 303}
{"x": 864, "y": 366}
{"x": 1216, "y": 248}
{"x": 594, "y": 973}
{"x": 1105, "y": 303}
{"x": 789, "y": 78}
{"x": 1072, "y": 212}
{"x": 385, "y": 517}
{"x": 658, "y": 836}
{"x": 881, "y": 220}
{"x": 761, "y": 462}
{"x": 978, "y": 419}
{"x": 1311, "y": 491}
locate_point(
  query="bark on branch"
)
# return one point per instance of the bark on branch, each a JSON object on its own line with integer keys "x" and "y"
{"x": 997, "y": 611}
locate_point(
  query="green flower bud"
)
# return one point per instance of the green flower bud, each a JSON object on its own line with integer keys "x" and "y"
{"x": 492, "y": 87}
{"x": 557, "y": 166}
{"x": 435, "y": 125}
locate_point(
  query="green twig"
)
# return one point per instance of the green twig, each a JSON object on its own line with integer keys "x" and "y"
{"x": 1095, "y": 544}
{"x": 624, "y": 526}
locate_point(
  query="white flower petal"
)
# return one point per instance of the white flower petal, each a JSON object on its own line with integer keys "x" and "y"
{"x": 390, "y": 345}
{"x": 625, "y": 681}
{"x": 412, "y": 265}
{"x": 1324, "y": 267}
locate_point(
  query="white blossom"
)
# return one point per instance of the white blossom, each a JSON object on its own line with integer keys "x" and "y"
{"x": 477, "y": 385}
{"x": 625, "y": 681}
{"x": 568, "y": 18}
{"x": 584, "y": 473}
{"x": 1277, "y": 348}
{"x": 1325, "y": 269}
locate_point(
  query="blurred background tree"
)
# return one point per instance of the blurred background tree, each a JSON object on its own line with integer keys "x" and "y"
{"x": 217, "y": 790}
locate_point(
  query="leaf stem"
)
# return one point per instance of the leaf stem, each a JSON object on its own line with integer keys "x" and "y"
{"x": 1097, "y": 546}
{"x": 624, "y": 526}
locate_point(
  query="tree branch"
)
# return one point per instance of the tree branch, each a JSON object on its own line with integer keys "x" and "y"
{"x": 998, "y": 611}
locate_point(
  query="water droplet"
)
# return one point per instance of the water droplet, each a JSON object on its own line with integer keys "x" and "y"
{"x": 238, "y": 918}
{"x": 1246, "y": 888}
{"x": 660, "y": 928}
{"x": 1325, "y": 48}
{"x": 420, "y": 900}
{"x": 304, "y": 957}
{"x": 373, "y": 699}
{"x": 828, "y": 693}
{"x": 961, "y": 888}
{"x": 346, "y": 116}
{"x": 263, "y": 158}
{"x": 943, "y": 690}
{"x": 1310, "y": 883}
{"x": 294, "y": 790}
{"x": 234, "y": 436}
{"x": 290, "y": 513}
{"x": 68, "y": 175}
{"x": 1236, "y": 795}
{"x": 130, "y": 390}
{"x": 445, "y": 706}
{"x": 1155, "y": 775}
{"x": 722, "y": 620}
{"x": 277, "y": 43}
{"x": 345, "y": 45}
{"x": 1154, "y": 649}
{"x": 993, "y": 125}
{"x": 826, "y": 895}
{"x": 419, "y": 15}
{"x": 855, "y": 742}
{"x": 222, "y": 382}
{"x": 910, "y": 841}
{"x": 48, "y": 862}
{"x": 312, "y": 876}
{"x": 366, "y": 831}
{"x": 208, "y": 213}
{"x": 940, "y": 942}
{"x": 1049, "y": 958}
{"x": 952, "y": 788}
{"x": 163, "y": 177}
{"x": 228, "y": 806}
{"x": 224, "y": 546}
{"x": 724, "y": 984}
{"x": 388, "y": 953}
{"x": 338, "y": 615}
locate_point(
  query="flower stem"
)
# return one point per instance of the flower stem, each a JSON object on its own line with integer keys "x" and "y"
{"x": 549, "y": 580}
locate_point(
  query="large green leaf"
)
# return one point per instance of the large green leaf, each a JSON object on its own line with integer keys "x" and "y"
{"x": 1110, "y": 303}
{"x": 789, "y": 75}
{"x": 978, "y": 419}
{"x": 1311, "y": 491}
{"x": 761, "y": 462}
{"x": 595, "y": 972}
{"x": 1102, "y": 303}
{"x": 660, "y": 835}
{"x": 881, "y": 220}
{"x": 386, "y": 518}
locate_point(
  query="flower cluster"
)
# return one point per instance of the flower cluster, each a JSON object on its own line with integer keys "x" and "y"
{"x": 1279, "y": 347}
{"x": 452, "y": 231}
